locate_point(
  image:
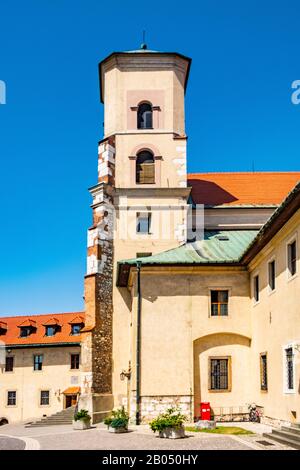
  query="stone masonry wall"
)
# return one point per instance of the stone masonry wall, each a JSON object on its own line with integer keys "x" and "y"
{"x": 152, "y": 406}
{"x": 97, "y": 341}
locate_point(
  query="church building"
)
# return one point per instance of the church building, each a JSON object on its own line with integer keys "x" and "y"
{"x": 193, "y": 280}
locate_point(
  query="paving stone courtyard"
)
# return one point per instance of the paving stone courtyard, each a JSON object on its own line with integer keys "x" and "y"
{"x": 17, "y": 437}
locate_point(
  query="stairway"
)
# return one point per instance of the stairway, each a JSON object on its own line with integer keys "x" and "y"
{"x": 287, "y": 435}
{"x": 62, "y": 417}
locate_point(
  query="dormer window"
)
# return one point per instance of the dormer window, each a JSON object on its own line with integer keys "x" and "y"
{"x": 144, "y": 116}
{"x": 50, "y": 330}
{"x": 3, "y": 328}
{"x": 52, "y": 326}
{"x": 145, "y": 168}
{"x": 27, "y": 327}
{"x": 25, "y": 331}
{"x": 76, "y": 325}
{"x": 75, "y": 329}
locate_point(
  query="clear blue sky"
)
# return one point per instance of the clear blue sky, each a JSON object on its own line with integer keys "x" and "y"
{"x": 238, "y": 111}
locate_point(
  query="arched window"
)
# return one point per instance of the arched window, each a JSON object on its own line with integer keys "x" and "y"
{"x": 144, "y": 116}
{"x": 145, "y": 168}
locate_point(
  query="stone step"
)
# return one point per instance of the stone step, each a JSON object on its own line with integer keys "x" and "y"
{"x": 61, "y": 417}
{"x": 283, "y": 439}
{"x": 53, "y": 423}
{"x": 292, "y": 429}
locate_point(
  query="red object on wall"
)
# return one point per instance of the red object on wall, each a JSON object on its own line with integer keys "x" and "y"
{"x": 205, "y": 410}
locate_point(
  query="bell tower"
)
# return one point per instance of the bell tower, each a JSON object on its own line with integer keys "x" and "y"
{"x": 139, "y": 205}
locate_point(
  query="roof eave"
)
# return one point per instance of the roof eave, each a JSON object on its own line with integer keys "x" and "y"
{"x": 278, "y": 219}
{"x": 188, "y": 59}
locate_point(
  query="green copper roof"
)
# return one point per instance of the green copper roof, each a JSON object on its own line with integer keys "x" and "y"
{"x": 222, "y": 246}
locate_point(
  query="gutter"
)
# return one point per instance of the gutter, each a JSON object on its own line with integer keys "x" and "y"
{"x": 138, "y": 344}
{"x": 39, "y": 345}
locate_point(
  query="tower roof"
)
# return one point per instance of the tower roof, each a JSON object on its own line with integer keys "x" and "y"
{"x": 142, "y": 52}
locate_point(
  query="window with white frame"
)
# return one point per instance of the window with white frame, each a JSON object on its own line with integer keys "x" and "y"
{"x": 289, "y": 369}
{"x": 45, "y": 398}
{"x": 11, "y": 398}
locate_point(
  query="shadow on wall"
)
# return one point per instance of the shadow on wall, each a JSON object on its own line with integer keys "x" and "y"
{"x": 206, "y": 343}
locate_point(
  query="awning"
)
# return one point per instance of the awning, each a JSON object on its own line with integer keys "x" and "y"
{"x": 71, "y": 391}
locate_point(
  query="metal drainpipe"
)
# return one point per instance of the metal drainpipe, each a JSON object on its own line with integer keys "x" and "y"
{"x": 138, "y": 343}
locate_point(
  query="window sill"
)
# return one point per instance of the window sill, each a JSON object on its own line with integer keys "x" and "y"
{"x": 289, "y": 392}
{"x": 271, "y": 292}
{"x": 291, "y": 278}
{"x": 220, "y": 391}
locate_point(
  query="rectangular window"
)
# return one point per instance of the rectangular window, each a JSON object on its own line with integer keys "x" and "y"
{"x": 45, "y": 397}
{"x": 50, "y": 330}
{"x": 143, "y": 222}
{"x": 272, "y": 275}
{"x": 219, "y": 303}
{"x": 292, "y": 258}
{"x": 9, "y": 364}
{"x": 74, "y": 361}
{"x": 289, "y": 361}
{"x": 37, "y": 362}
{"x": 219, "y": 374}
{"x": 143, "y": 255}
{"x": 11, "y": 398}
{"x": 256, "y": 288}
{"x": 263, "y": 372}
{"x": 75, "y": 329}
{"x": 25, "y": 331}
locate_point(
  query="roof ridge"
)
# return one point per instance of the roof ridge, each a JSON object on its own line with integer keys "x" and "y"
{"x": 40, "y": 315}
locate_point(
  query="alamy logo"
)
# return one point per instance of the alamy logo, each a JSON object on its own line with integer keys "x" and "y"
{"x": 296, "y": 94}
{"x": 2, "y": 92}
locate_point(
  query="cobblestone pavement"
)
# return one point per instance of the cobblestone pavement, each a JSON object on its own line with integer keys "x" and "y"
{"x": 98, "y": 438}
{"x": 8, "y": 443}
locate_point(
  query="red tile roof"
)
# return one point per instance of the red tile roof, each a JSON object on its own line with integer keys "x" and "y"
{"x": 258, "y": 189}
{"x": 13, "y": 324}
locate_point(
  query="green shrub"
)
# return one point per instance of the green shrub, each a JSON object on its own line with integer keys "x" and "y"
{"x": 172, "y": 418}
{"x": 82, "y": 414}
{"x": 117, "y": 419}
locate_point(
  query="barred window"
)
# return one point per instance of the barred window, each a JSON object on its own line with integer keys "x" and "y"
{"x": 11, "y": 398}
{"x": 45, "y": 397}
{"x": 219, "y": 303}
{"x": 219, "y": 374}
{"x": 289, "y": 357}
{"x": 263, "y": 372}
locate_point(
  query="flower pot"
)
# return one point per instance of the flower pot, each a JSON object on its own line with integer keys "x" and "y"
{"x": 81, "y": 424}
{"x": 117, "y": 430}
{"x": 172, "y": 433}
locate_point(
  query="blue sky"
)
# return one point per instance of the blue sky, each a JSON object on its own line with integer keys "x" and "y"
{"x": 238, "y": 114}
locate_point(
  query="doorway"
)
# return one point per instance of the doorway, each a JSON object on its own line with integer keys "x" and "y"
{"x": 71, "y": 400}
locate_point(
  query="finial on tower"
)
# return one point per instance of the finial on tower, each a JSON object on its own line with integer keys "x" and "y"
{"x": 144, "y": 45}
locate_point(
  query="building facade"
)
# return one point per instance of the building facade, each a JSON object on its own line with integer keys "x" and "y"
{"x": 40, "y": 370}
{"x": 192, "y": 284}
{"x": 190, "y": 294}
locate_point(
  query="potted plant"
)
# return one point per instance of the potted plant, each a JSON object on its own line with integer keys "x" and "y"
{"x": 82, "y": 420}
{"x": 117, "y": 421}
{"x": 169, "y": 424}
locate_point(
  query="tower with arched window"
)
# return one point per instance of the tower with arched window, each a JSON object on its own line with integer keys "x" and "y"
{"x": 139, "y": 206}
